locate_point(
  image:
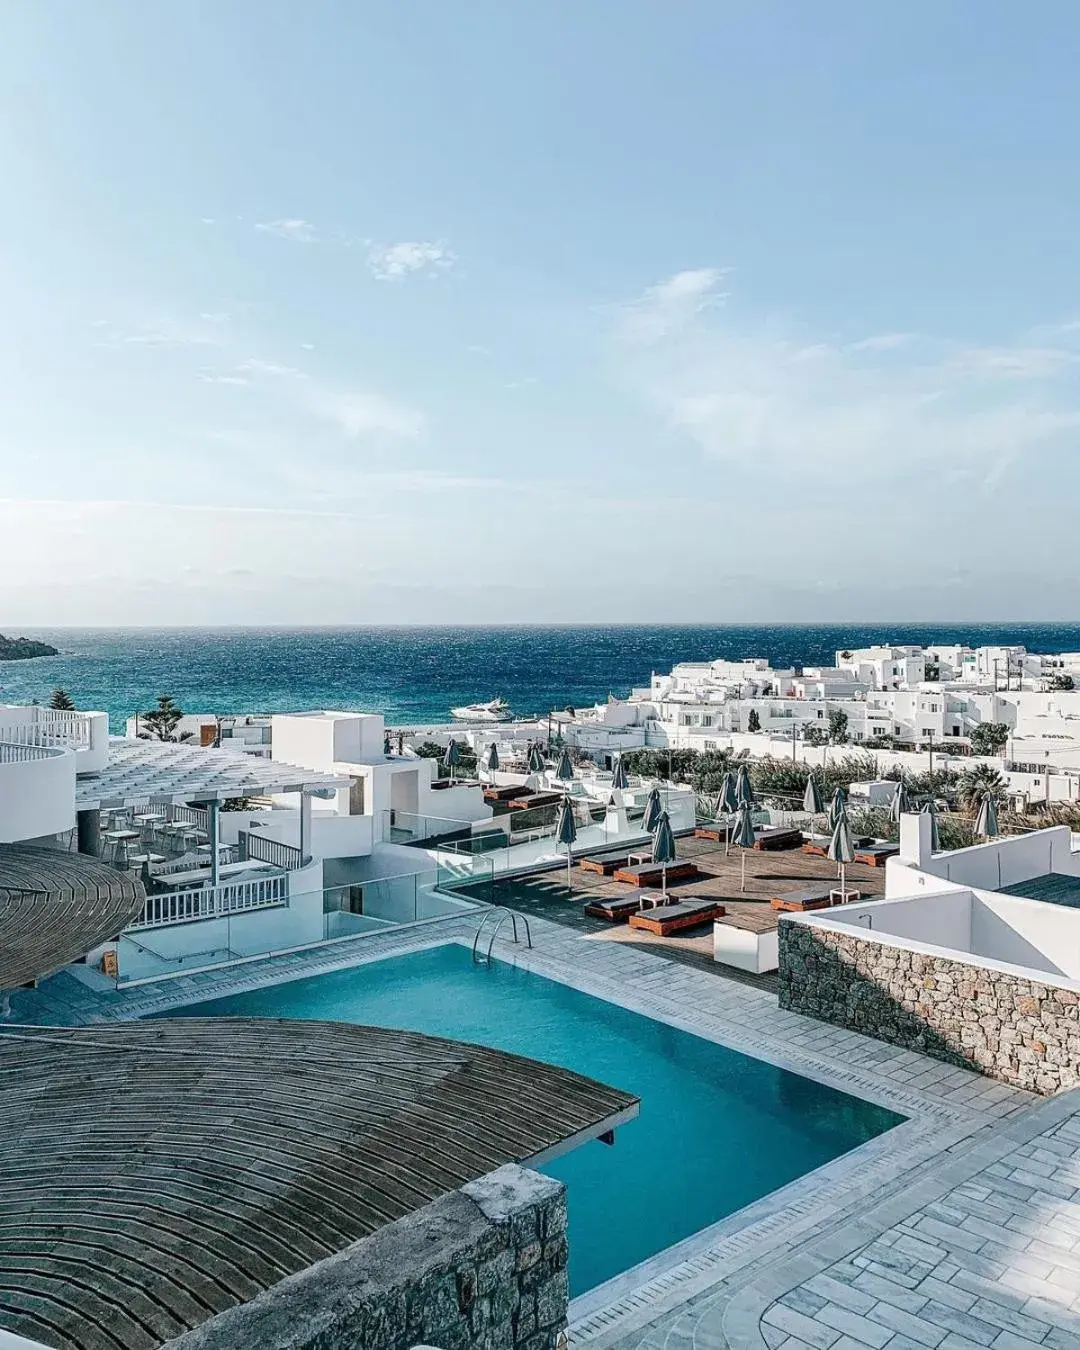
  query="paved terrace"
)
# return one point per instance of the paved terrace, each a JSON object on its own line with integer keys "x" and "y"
{"x": 153, "y": 1174}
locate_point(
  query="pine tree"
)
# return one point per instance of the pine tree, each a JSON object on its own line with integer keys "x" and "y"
{"x": 161, "y": 723}
{"x": 61, "y": 700}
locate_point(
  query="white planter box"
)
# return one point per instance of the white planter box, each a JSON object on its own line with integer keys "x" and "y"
{"x": 755, "y": 952}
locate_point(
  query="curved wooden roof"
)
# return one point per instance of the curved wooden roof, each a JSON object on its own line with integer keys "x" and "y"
{"x": 57, "y": 906}
{"x": 153, "y": 1174}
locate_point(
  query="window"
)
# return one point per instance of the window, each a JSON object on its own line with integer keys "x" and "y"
{"x": 706, "y": 721}
{"x": 820, "y": 714}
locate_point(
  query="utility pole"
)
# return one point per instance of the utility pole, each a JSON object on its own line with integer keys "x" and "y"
{"x": 931, "y": 759}
{"x": 794, "y": 731}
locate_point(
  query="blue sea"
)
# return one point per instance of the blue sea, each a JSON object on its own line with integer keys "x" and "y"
{"x": 417, "y": 674}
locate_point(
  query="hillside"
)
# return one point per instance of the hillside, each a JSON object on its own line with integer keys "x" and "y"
{"x": 22, "y": 649}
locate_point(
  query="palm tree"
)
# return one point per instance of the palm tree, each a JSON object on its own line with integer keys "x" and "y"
{"x": 977, "y": 782}
{"x": 61, "y": 700}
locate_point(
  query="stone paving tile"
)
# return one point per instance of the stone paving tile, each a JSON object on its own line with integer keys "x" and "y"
{"x": 997, "y": 1258}
{"x": 855, "y": 1325}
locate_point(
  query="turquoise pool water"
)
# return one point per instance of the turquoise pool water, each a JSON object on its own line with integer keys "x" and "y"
{"x": 716, "y": 1130}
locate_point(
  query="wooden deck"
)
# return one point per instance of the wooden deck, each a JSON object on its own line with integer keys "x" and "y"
{"x": 767, "y": 875}
{"x": 161, "y": 1172}
{"x": 57, "y": 906}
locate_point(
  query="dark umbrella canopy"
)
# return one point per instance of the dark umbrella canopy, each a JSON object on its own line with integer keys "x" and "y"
{"x": 929, "y": 809}
{"x": 837, "y": 806}
{"x": 663, "y": 844}
{"x": 452, "y": 758}
{"x": 812, "y": 799}
{"x": 728, "y": 802}
{"x": 654, "y": 809}
{"x": 493, "y": 757}
{"x": 619, "y": 777}
{"x": 565, "y": 824}
{"x": 745, "y": 835}
{"x": 565, "y": 768}
{"x": 841, "y": 847}
{"x": 986, "y": 822}
{"x": 536, "y": 760}
{"x": 744, "y": 793}
{"x": 901, "y": 802}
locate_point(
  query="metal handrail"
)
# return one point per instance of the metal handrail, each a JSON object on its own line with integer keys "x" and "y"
{"x": 503, "y": 911}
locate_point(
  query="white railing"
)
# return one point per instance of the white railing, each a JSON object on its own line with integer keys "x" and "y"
{"x": 49, "y": 728}
{"x": 18, "y": 753}
{"x": 212, "y": 902}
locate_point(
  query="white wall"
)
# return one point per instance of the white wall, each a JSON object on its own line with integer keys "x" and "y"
{"x": 942, "y": 919}
{"x": 1007, "y": 861}
{"x": 332, "y": 836}
{"x": 37, "y": 793}
{"x": 980, "y": 927}
{"x": 318, "y": 740}
{"x": 1027, "y": 933}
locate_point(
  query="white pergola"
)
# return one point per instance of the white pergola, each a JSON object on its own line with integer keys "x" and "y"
{"x": 169, "y": 773}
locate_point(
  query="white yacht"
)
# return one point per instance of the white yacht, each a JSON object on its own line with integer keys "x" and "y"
{"x": 498, "y": 710}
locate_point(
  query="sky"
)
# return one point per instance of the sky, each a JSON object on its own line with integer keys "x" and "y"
{"x": 407, "y": 312}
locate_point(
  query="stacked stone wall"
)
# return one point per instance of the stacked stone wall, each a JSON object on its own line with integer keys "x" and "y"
{"x": 484, "y": 1268}
{"x": 1020, "y": 1031}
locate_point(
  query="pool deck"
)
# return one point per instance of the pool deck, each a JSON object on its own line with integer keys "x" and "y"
{"x": 955, "y": 1229}
{"x": 545, "y": 895}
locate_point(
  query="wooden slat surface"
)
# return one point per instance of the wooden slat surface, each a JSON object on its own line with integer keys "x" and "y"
{"x": 57, "y": 906}
{"x": 154, "y": 1174}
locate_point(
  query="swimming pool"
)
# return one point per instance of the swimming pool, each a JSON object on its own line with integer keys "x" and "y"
{"x": 716, "y": 1131}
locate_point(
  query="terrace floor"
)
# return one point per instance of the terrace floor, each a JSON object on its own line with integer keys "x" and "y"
{"x": 544, "y": 895}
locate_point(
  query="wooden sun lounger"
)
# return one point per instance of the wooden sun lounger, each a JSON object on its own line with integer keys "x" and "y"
{"x": 876, "y": 855}
{"x": 816, "y": 848}
{"x": 665, "y": 919}
{"x": 596, "y": 862}
{"x": 717, "y": 833}
{"x": 526, "y": 803}
{"x": 614, "y": 909}
{"x": 799, "y": 902}
{"x": 777, "y": 837}
{"x": 502, "y": 794}
{"x": 651, "y": 874}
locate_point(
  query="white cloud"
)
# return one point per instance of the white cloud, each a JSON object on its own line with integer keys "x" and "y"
{"x": 775, "y": 398}
{"x": 209, "y": 377}
{"x": 204, "y": 331}
{"x": 391, "y": 262}
{"x": 254, "y": 366}
{"x": 882, "y": 342}
{"x": 355, "y": 412}
{"x": 670, "y": 304}
{"x": 359, "y": 414}
{"x": 295, "y": 230}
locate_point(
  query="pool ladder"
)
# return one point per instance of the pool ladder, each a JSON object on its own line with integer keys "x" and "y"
{"x": 502, "y": 913}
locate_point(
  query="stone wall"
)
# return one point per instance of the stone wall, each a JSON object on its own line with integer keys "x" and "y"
{"x": 484, "y": 1268}
{"x": 1022, "y": 1032}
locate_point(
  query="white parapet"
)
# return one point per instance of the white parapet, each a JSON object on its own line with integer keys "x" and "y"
{"x": 37, "y": 791}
